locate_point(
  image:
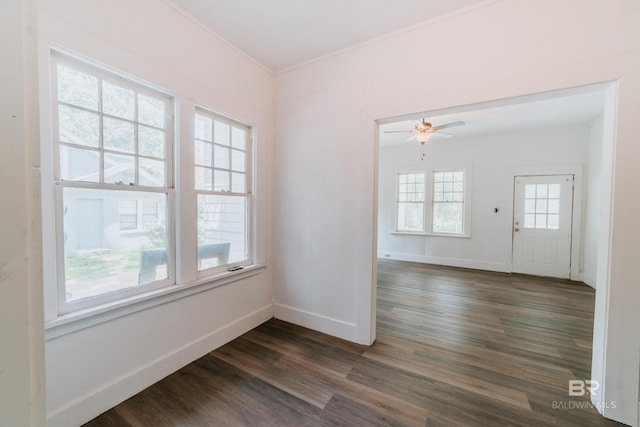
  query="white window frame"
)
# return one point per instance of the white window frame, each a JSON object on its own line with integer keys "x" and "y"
{"x": 466, "y": 169}
{"x": 64, "y": 306}
{"x": 247, "y": 194}
{"x": 398, "y": 202}
{"x": 180, "y": 211}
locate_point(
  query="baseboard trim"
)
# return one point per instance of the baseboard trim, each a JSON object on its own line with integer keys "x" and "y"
{"x": 589, "y": 280}
{"x": 92, "y": 404}
{"x": 317, "y": 322}
{"x": 449, "y": 262}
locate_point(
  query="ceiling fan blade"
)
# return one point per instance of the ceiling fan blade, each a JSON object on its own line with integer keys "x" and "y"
{"x": 442, "y": 134}
{"x": 397, "y": 131}
{"x": 449, "y": 125}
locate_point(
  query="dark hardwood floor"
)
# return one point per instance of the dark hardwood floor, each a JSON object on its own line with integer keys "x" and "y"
{"x": 454, "y": 347}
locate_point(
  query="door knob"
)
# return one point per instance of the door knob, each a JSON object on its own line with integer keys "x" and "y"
{"x": 516, "y": 229}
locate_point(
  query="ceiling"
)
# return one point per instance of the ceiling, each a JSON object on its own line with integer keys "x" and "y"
{"x": 578, "y": 106}
{"x": 283, "y": 33}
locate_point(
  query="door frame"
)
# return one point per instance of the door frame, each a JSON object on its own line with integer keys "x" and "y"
{"x": 577, "y": 170}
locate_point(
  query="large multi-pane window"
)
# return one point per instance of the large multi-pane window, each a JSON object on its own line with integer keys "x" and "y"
{"x": 223, "y": 188}
{"x": 433, "y": 202}
{"x": 410, "y": 202}
{"x": 113, "y": 176}
{"x": 448, "y": 202}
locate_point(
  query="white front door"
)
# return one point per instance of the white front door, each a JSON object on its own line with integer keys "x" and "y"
{"x": 542, "y": 218}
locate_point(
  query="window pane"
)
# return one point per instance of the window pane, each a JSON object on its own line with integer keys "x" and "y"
{"x": 151, "y": 172}
{"x": 529, "y": 221}
{"x": 410, "y": 217}
{"x": 438, "y": 176}
{"x": 447, "y": 217}
{"x": 238, "y": 138}
{"x": 458, "y": 176}
{"x": 118, "y": 135}
{"x": 402, "y": 178}
{"x": 119, "y": 168}
{"x": 220, "y": 157}
{"x": 77, "y": 164}
{"x": 204, "y": 178}
{"x": 530, "y": 191}
{"x": 222, "y": 231}
{"x": 541, "y": 221}
{"x": 237, "y": 160}
{"x": 77, "y": 88}
{"x": 221, "y": 133}
{"x": 541, "y": 206}
{"x": 554, "y": 206}
{"x": 150, "y": 211}
{"x": 203, "y": 153}
{"x": 128, "y": 214}
{"x": 554, "y": 191}
{"x": 151, "y": 111}
{"x": 78, "y": 127}
{"x": 541, "y": 191}
{"x": 530, "y": 205}
{"x": 204, "y": 126}
{"x": 118, "y": 101}
{"x": 98, "y": 259}
{"x": 238, "y": 182}
{"x": 221, "y": 180}
{"x": 151, "y": 142}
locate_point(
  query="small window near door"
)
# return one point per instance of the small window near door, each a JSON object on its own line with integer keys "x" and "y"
{"x": 542, "y": 206}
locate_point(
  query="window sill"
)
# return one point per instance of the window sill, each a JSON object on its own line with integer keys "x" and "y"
{"x": 408, "y": 233}
{"x": 82, "y": 319}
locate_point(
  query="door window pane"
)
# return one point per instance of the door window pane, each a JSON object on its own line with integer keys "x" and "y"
{"x": 543, "y": 200}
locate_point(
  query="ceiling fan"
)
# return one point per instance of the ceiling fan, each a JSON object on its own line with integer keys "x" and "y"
{"x": 425, "y": 130}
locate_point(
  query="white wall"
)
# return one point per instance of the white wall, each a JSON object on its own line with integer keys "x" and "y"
{"x": 494, "y": 159}
{"x": 592, "y": 204}
{"x": 325, "y": 206}
{"x": 21, "y": 324}
{"x": 91, "y": 367}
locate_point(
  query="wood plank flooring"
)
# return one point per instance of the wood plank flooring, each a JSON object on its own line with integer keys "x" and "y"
{"x": 454, "y": 347}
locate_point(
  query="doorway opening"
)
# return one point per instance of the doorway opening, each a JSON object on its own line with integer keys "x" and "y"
{"x": 563, "y": 133}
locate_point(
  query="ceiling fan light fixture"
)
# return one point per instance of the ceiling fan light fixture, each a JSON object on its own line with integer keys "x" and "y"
{"x": 423, "y": 137}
